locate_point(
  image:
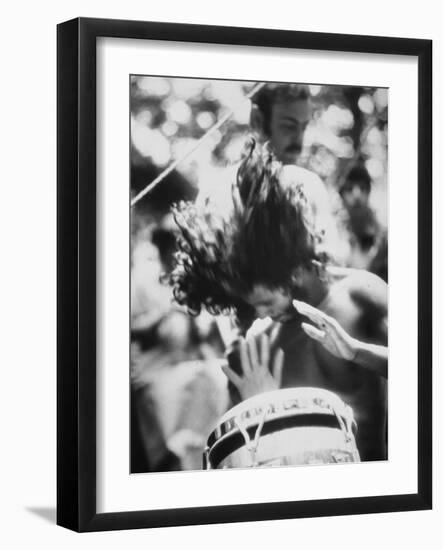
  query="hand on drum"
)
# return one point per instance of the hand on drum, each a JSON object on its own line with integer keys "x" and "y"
{"x": 257, "y": 377}
{"x": 327, "y": 331}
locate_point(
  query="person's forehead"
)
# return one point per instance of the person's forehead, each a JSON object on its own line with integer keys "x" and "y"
{"x": 350, "y": 185}
{"x": 299, "y": 109}
{"x": 262, "y": 293}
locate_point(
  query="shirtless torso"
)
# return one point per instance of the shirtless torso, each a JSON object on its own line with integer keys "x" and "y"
{"x": 357, "y": 300}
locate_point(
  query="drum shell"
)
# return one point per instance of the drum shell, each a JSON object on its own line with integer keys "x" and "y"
{"x": 290, "y": 446}
{"x": 304, "y": 426}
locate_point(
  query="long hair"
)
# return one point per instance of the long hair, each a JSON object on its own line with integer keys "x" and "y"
{"x": 202, "y": 276}
{"x": 267, "y": 236}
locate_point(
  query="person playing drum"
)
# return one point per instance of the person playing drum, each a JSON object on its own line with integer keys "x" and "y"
{"x": 266, "y": 259}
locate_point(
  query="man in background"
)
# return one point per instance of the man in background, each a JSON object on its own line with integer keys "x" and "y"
{"x": 280, "y": 114}
{"x": 367, "y": 239}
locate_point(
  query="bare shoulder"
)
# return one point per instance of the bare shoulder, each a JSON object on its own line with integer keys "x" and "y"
{"x": 364, "y": 288}
{"x": 313, "y": 187}
{"x": 293, "y": 175}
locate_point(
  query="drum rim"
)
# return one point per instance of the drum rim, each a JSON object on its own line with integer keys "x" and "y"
{"x": 301, "y": 392}
{"x": 285, "y": 407}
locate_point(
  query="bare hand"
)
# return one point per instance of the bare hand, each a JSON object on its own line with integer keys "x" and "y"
{"x": 257, "y": 376}
{"x": 327, "y": 331}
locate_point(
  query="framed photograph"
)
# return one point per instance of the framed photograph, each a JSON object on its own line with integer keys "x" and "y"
{"x": 244, "y": 274}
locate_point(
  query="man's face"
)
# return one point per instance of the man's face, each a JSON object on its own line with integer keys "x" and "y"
{"x": 287, "y": 127}
{"x": 274, "y": 303}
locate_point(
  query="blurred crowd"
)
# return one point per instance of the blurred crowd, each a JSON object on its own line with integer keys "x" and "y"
{"x": 178, "y": 389}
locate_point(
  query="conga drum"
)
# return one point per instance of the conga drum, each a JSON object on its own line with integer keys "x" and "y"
{"x": 284, "y": 427}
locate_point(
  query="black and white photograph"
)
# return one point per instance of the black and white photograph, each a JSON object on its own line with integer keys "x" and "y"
{"x": 258, "y": 274}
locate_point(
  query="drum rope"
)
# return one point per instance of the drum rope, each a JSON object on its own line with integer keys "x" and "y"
{"x": 252, "y": 446}
{"x": 344, "y": 428}
{"x": 205, "y": 136}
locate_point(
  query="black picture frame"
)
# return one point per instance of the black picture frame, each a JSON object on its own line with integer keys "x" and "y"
{"x": 76, "y": 273}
